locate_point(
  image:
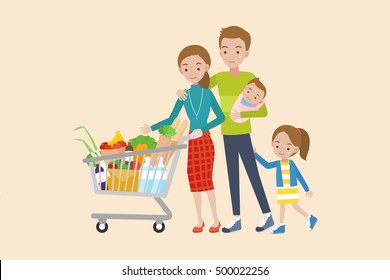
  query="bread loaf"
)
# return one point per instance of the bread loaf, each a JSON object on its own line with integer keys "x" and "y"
{"x": 180, "y": 130}
{"x": 175, "y": 124}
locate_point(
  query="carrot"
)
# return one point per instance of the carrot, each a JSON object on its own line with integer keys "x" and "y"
{"x": 141, "y": 147}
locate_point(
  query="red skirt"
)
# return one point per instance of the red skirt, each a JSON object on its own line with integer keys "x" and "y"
{"x": 200, "y": 163}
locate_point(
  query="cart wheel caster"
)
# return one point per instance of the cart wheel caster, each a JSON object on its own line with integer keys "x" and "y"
{"x": 102, "y": 228}
{"x": 159, "y": 227}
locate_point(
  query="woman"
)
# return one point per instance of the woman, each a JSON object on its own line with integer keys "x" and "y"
{"x": 194, "y": 62}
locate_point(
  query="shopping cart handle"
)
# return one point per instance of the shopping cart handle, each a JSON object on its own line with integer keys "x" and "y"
{"x": 196, "y": 134}
{"x": 184, "y": 139}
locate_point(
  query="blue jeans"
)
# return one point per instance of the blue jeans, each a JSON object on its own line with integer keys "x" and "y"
{"x": 242, "y": 145}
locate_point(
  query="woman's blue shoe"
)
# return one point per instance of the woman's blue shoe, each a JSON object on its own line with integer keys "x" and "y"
{"x": 278, "y": 229}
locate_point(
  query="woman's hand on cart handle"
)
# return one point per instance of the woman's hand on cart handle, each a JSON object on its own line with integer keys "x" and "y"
{"x": 146, "y": 129}
{"x": 196, "y": 133}
{"x": 182, "y": 94}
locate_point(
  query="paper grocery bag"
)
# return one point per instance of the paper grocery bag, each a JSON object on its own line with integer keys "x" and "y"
{"x": 119, "y": 178}
{"x": 163, "y": 142}
{"x": 169, "y": 155}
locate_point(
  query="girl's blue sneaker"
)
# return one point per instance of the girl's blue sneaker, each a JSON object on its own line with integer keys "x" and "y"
{"x": 311, "y": 222}
{"x": 278, "y": 229}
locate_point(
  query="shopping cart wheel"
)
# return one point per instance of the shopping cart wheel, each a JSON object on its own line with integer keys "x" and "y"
{"x": 102, "y": 228}
{"x": 159, "y": 227}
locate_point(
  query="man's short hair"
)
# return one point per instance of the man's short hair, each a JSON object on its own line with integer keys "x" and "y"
{"x": 233, "y": 32}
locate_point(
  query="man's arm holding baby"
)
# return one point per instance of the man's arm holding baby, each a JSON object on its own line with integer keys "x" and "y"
{"x": 260, "y": 113}
{"x": 236, "y": 112}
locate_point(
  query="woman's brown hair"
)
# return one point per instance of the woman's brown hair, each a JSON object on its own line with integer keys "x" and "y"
{"x": 298, "y": 136}
{"x": 203, "y": 53}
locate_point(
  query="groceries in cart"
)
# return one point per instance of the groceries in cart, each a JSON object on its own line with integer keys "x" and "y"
{"x": 101, "y": 167}
{"x": 124, "y": 177}
{"x": 101, "y": 177}
{"x": 116, "y": 146}
{"x": 153, "y": 179}
{"x": 142, "y": 143}
{"x": 134, "y": 166}
{"x": 129, "y": 171}
{"x": 169, "y": 136}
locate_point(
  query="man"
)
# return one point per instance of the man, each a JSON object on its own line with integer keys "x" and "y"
{"x": 234, "y": 43}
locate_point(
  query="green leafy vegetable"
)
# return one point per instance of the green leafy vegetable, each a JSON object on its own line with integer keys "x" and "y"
{"x": 86, "y": 145}
{"x": 89, "y": 135}
{"x": 93, "y": 152}
{"x": 167, "y": 131}
{"x": 142, "y": 139}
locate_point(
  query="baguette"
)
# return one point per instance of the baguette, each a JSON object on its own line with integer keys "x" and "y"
{"x": 175, "y": 123}
{"x": 180, "y": 130}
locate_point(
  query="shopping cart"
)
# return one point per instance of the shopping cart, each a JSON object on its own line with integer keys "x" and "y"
{"x": 139, "y": 177}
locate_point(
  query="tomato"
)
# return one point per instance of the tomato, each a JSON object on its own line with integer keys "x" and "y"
{"x": 117, "y": 146}
{"x": 102, "y": 145}
{"x": 105, "y": 146}
{"x": 122, "y": 143}
{"x": 135, "y": 165}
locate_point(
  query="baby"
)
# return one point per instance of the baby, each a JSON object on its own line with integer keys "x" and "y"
{"x": 251, "y": 99}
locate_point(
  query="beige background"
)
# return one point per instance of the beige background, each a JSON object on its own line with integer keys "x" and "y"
{"x": 111, "y": 65}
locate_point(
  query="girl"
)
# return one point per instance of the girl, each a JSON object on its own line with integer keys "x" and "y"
{"x": 286, "y": 142}
{"x": 194, "y": 62}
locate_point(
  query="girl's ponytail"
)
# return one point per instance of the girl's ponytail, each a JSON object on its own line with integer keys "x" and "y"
{"x": 305, "y": 143}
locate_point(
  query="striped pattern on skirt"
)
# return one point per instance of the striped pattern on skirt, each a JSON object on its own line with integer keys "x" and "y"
{"x": 200, "y": 163}
{"x": 287, "y": 195}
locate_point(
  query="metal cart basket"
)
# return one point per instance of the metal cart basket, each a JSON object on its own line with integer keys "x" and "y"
{"x": 141, "y": 173}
